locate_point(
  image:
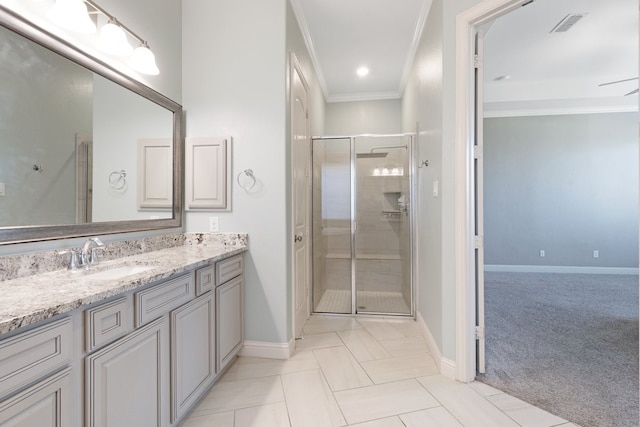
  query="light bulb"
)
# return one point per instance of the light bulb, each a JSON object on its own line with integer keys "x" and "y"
{"x": 144, "y": 61}
{"x": 395, "y": 171}
{"x": 72, "y": 15}
{"x": 113, "y": 40}
{"x": 376, "y": 171}
{"x": 385, "y": 171}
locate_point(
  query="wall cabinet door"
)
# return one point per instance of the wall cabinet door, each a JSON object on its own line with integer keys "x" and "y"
{"x": 229, "y": 324}
{"x": 127, "y": 381}
{"x": 155, "y": 174}
{"x": 208, "y": 173}
{"x": 192, "y": 353}
{"x": 45, "y": 404}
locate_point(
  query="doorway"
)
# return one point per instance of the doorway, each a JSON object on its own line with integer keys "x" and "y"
{"x": 362, "y": 225}
{"x": 469, "y": 23}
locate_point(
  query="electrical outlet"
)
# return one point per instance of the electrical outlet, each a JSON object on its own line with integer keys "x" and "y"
{"x": 542, "y": 253}
{"x": 596, "y": 253}
{"x": 214, "y": 225}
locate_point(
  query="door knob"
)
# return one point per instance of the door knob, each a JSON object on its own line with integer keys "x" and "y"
{"x": 297, "y": 238}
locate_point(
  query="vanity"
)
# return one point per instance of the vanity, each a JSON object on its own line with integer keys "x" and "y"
{"x": 139, "y": 337}
{"x": 134, "y": 341}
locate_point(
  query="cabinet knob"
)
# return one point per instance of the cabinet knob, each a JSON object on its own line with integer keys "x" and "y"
{"x": 297, "y": 238}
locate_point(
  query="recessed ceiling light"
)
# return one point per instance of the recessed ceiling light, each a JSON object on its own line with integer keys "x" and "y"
{"x": 362, "y": 71}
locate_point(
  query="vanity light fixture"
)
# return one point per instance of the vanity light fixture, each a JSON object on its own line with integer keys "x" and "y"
{"x": 73, "y": 15}
{"x": 113, "y": 40}
{"x": 144, "y": 61}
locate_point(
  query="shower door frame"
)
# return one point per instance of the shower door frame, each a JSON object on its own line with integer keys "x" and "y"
{"x": 412, "y": 140}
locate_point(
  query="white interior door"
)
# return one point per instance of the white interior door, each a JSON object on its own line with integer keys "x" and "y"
{"x": 301, "y": 157}
{"x": 479, "y": 197}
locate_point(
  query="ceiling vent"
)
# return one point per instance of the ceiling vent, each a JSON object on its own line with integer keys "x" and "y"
{"x": 567, "y": 22}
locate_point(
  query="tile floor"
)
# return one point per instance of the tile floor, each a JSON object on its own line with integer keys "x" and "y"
{"x": 357, "y": 372}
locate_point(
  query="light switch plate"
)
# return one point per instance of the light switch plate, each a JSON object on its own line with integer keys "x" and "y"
{"x": 214, "y": 225}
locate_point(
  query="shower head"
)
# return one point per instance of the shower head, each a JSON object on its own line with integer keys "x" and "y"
{"x": 371, "y": 155}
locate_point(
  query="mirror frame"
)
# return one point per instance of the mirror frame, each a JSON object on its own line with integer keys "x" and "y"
{"x": 22, "y": 234}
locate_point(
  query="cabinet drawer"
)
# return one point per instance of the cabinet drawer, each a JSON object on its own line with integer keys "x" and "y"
{"x": 107, "y": 322}
{"x": 205, "y": 279}
{"x": 29, "y": 356}
{"x": 161, "y": 299}
{"x": 228, "y": 269}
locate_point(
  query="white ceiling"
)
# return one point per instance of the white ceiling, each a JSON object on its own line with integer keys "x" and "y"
{"x": 601, "y": 47}
{"x": 383, "y": 34}
{"x": 346, "y": 34}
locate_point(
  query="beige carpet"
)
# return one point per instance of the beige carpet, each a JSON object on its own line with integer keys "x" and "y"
{"x": 567, "y": 343}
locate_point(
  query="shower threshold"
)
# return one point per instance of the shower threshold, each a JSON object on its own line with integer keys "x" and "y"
{"x": 370, "y": 302}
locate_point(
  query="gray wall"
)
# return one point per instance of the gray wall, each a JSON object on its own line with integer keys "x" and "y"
{"x": 358, "y": 117}
{"x": 567, "y": 184}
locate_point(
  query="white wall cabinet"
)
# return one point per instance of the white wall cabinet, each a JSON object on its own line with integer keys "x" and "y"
{"x": 193, "y": 365}
{"x": 155, "y": 174}
{"x": 208, "y": 173}
{"x": 127, "y": 381}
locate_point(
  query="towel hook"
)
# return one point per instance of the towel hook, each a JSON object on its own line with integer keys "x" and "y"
{"x": 252, "y": 179}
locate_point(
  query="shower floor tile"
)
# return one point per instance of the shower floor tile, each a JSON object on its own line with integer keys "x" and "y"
{"x": 339, "y": 301}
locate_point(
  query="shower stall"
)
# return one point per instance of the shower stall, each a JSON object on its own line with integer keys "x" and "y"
{"x": 362, "y": 224}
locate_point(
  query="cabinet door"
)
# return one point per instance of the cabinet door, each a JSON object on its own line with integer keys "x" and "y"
{"x": 45, "y": 404}
{"x": 207, "y": 173}
{"x": 126, "y": 382}
{"x": 192, "y": 353}
{"x": 229, "y": 325}
{"x": 155, "y": 174}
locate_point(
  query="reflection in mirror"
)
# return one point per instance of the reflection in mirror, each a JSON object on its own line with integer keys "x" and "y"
{"x": 70, "y": 140}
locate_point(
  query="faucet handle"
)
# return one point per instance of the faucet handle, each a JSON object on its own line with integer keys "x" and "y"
{"x": 73, "y": 259}
{"x": 94, "y": 256}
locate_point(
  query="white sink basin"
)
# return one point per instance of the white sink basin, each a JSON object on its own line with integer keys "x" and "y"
{"x": 119, "y": 272}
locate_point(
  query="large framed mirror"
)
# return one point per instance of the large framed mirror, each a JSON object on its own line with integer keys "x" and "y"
{"x": 86, "y": 150}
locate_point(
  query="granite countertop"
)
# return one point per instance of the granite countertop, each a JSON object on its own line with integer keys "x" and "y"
{"x": 30, "y": 299}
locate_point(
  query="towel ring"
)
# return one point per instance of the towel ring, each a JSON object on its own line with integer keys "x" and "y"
{"x": 250, "y": 175}
{"x": 118, "y": 180}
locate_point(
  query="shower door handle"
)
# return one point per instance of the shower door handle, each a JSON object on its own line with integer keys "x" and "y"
{"x": 297, "y": 238}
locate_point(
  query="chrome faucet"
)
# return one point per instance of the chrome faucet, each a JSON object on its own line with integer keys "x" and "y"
{"x": 88, "y": 255}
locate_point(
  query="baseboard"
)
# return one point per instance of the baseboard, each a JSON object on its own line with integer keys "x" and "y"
{"x": 267, "y": 350}
{"x": 558, "y": 269}
{"x": 446, "y": 366}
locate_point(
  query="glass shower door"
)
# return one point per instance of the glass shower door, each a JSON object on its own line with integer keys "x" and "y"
{"x": 332, "y": 226}
{"x": 383, "y": 227}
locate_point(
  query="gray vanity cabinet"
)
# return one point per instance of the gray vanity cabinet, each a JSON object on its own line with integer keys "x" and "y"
{"x": 148, "y": 354}
{"x": 193, "y": 366}
{"x": 35, "y": 377}
{"x": 127, "y": 382}
{"x": 45, "y": 404}
{"x": 229, "y": 310}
